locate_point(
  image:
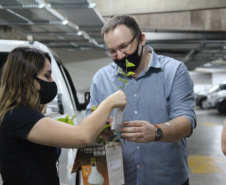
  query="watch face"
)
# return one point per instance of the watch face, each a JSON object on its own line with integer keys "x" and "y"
{"x": 158, "y": 133}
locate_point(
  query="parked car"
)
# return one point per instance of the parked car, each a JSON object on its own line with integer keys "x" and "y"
{"x": 221, "y": 105}
{"x": 207, "y": 99}
{"x": 65, "y": 103}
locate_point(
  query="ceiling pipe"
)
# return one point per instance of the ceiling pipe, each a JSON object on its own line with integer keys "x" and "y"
{"x": 40, "y": 4}
{"x": 73, "y": 6}
{"x": 79, "y": 33}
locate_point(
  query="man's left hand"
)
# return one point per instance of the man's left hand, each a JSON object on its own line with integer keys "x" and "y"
{"x": 138, "y": 131}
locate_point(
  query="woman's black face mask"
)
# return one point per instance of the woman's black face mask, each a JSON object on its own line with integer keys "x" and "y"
{"x": 133, "y": 58}
{"x": 47, "y": 92}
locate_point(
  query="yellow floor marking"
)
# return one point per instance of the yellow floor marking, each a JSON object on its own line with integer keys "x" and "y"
{"x": 210, "y": 124}
{"x": 203, "y": 164}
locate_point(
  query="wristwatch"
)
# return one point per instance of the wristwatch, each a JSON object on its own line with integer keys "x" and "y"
{"x": 158, "y": 133}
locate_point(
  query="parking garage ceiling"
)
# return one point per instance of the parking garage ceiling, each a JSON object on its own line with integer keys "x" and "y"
{"x": 193, "y": 31}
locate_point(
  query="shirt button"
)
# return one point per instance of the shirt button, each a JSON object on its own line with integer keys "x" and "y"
{"x": 135, "y": 95}
{"x": 135, "y": 81}
{"x": 138, "y": 166}
{"x": 135, "y": 112}
{"x": 138, "y": 147}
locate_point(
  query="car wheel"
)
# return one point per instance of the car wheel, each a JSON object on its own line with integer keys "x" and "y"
{"x": 220, "y": 111}
{"x": 224, "y": 108}
{"x": 221, "y": 105}
{"x": 204, "y": 104}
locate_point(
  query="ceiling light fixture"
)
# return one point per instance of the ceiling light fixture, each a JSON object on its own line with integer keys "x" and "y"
{"x": 65, "y": 22}
{"x": 74, "y": 44}
{"x": 60, "y": 37}
{"x": 41, "y": 5}
{"x": 79, "y": 33}
{"x": 92, "y": 5}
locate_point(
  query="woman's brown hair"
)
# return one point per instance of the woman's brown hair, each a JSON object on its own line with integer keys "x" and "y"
{"x": 17, "y": 79}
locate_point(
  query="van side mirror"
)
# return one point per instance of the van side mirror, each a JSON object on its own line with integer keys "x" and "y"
{"x": 87, "y": 98}
{"x": 60, "y": 104}
{"x": 82, "y": 106}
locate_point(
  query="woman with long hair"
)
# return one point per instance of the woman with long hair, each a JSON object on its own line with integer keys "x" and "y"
{"x": 28, "y": 139}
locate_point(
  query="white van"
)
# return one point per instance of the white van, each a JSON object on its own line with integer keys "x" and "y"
{"x": 65, "y": 103}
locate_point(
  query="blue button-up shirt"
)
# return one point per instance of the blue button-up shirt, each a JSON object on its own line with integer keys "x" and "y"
{"x": 162, "y": 92}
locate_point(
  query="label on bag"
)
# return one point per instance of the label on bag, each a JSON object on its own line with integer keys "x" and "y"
{"x": 115, "y": 163}
{"x": 109, "y": 163}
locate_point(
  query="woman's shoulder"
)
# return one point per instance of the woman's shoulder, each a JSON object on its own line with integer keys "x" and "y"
{"x": 22, "y": 109}
{"x": 18, "y": 121}
{"x": 22, "y": 112}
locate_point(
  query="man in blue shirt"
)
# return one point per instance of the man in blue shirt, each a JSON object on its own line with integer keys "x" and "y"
{"x": 160, "y": 106}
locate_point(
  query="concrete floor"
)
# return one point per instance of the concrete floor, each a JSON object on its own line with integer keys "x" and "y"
{"x": 207, "y": 163}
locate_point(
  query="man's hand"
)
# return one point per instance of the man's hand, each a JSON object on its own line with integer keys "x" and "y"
{"x": 138, "y": 131}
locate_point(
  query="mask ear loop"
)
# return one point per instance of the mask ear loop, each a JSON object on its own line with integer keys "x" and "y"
{"x": 141, "y": 54}
{"x": 139, "y": 39}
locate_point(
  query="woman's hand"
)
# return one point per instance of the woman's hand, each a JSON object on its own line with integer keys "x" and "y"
{"x": 118, "y": 100}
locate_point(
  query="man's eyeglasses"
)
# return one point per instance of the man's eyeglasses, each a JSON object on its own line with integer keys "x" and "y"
{"x": 122, "y": 48}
